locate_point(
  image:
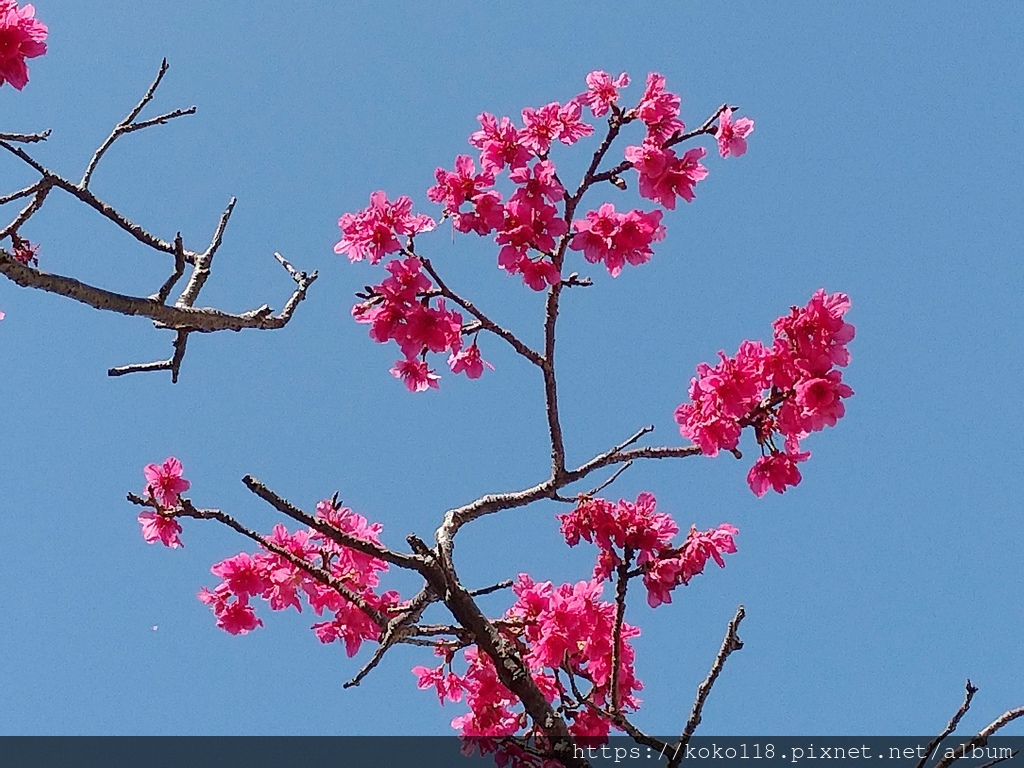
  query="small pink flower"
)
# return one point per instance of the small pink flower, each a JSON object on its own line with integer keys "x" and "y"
{"x": 659, "y": 110}
{"x": 164, "y": 482}
{"x": 415, "y": 374}
{"x": 732, "y": 137}
{"x": 157, "y": 527}
{"x": 469, "y": 361}
{"x": 21, "y": 37}
{"x": 374, "y": 231}
{"x": 602, "y": 91}
{"x": 777, "y": 470}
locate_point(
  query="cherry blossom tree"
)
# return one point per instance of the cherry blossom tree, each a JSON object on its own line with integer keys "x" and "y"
{"x": 557, "y": 668}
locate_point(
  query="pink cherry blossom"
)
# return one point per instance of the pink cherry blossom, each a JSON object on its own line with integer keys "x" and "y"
{"x": 602, "y": 91}
{"x": 542, "y": 125}
{"x": 616, "y": 238}
{"x": 732, "y": 137}
{"x": 461, "y": 186}
{"x": 573, "y": 128}
{"x": 500, "y": 143}
{"x": 776, "y": 470}
{"x": 164, "y": 482}
{"x": 665, "y": 573}
{"x": 659, "y": 110}
{"x": 663, "y": 176}
{"x": 374, "y": 231}
{"x": 22, "y": 37}
{"x": 468, "y": 361}
{"x": 415, "y": 374}
{"x": 789, "y": 389}
{"x": 157, "y": 526}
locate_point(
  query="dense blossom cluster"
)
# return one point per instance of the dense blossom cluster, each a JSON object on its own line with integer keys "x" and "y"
{"x": 637, "y": 529}
{"x": 282, "y": 584}
{"x": 534, "y": 224}
{"x": 559, "y": 630}
{"x": 276, "y": 579}
{"x": 791, "y": 388}
{"x": 400, "y": 310}
{"x": 22, "y": 37}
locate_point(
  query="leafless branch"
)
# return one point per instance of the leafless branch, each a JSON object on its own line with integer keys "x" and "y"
{"x": 25, "y": 138}
{"x": 128, "y": 124}
{"x": 183, "y": 317}
{"x": 978, "y": 740}
{"x": 410, "y": 562}
{"x": 969, "y": 690}
{"x": 731, "y": 643}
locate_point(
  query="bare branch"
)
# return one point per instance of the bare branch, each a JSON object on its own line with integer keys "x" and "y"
{"x": 179, "y": 270}
{"x": 31, "y": 189}
{"x": 25, "y": 138}
{"x": 982, "y": 737}
{"x": 202, "y": 320}
{"x": 128, "y": 125}
{"x": 172, "y": 364}
{"x": 203, "y": 262}
{"x": 969, "y": 690}
{"x": 731, "y": 643}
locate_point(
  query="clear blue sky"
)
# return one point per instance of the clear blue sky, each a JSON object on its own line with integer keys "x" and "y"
{"x": 885, "y": 163}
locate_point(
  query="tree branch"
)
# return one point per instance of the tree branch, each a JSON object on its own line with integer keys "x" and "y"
{"x": 731, "y": 643}
{"x": 485, "y": 322}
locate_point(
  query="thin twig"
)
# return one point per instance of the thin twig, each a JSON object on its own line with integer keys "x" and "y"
{"x": 128, "y": 125}
{"x": 730, "y": 644}
{"x": 338, "y": 536}
{"x": 982, "y": 737}
{"x": 969, "y": 690}
{"x": 485, "y": 322}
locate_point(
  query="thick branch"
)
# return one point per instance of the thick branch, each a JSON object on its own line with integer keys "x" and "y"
{"x": 203, "y": 320}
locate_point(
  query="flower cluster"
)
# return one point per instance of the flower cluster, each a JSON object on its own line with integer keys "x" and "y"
{"x": 791, "y": 388}
{"x": 22, "y": 37}
{"x": 399, "y": 310}
{"x": 617, "y": 238}
{"x": 560, "y": 631}
{"x": 164, "y": 486}
{"x": 533, "y": 225}
{"x": 283, "y": 584}
{"x": 374, "y": 231}
{"x": 637, "y": 529}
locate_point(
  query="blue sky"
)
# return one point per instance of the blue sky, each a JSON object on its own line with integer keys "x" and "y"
{"x": 885, "y": 164}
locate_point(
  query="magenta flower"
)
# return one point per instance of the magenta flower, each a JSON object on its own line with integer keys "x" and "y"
{"x": 159, "y": 527}
{"x": 732, "y": 137}
{"x": 374, "y": 231}
{"x": 415, "y": 374}
{"x": 776, "y": 470}
{"x": 659, "y": 110}
{"x": 602, "y": 91}
{"x": 21, "y": 37}
{"x": 469, "y": 361}
{"x": 164, "y": 482}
